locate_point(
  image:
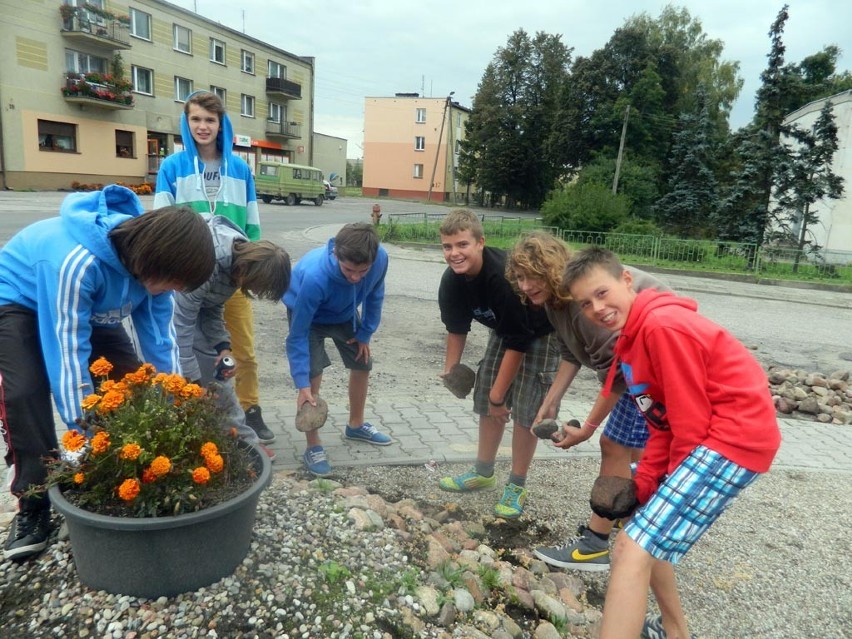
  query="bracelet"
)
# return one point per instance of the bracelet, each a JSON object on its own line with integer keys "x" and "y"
{"x": 588, "y": 424}
{"x": 497, "y": 404}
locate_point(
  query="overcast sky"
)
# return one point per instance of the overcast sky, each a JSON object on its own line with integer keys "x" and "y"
{"x": 381, "y": 47}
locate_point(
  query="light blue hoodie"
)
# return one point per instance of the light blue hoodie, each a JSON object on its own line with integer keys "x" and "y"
{"x": 320, "y": 294}
{"x": 67, "y": 271}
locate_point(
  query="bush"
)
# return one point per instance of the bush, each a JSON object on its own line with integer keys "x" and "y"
{"x": 585, "y": 207}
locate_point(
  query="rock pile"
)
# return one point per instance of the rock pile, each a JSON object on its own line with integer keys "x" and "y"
{"x": 812, "y": 396}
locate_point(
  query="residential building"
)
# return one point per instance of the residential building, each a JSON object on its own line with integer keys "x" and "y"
{"x": 330, "y": 157}
{"x": 834, "y": 230}
{"x": 411, "y": 147}
{"x": 92, "y": 90}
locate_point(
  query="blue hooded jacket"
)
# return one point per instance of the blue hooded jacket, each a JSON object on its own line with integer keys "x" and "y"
{"x": 67, "y": 271}
{"x": 320, "y": 294}
{"x": 180, "y": 180}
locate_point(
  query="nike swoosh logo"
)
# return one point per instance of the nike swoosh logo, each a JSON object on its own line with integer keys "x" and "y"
{"x": 576, "y": 555}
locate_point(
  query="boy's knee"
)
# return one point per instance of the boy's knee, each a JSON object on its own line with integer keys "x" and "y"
{"x": 625, "y": 552}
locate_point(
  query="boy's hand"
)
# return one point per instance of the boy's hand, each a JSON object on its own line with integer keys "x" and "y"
{"x": 305, "y": 395}
{"x": 311, "y": 417}
{"x": 459, "y": 380}
{"x": 572, "y": 434}
{"x": 363, "y": 350}
{"x": 613, "y": 497}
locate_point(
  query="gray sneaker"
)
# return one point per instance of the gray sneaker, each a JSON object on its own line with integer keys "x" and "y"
{"x": 652, "y": 628}
{"x": 583, "y": 552}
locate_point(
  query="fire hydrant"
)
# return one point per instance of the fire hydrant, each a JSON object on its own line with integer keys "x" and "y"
{"x": 377, "y": 214}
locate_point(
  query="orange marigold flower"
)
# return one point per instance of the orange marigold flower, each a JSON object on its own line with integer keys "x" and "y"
{"x": 201, "y": 475}
{"x": 215, "y": 463}
{"x": 90, "y": 401}
{"x": 147, "y": 370}
{"x": 110, "y": 401}
{"x": 130, "y": 451}
{"x": 107, "y": 385}
{"x": 161, "y": 466}
{"x": 209, "y": 448}
{"x": 173, "y": 384}
{"x": 79, "y": 478}
{"x": 160, "y": 378}
{"x": 148, "y": 476}
{"x": 100, "y": 367}
{"x": 100, "y": 442}
{"x": 129, "y": 489}
{"x": 192, "y": 390}
{"x": 73, "y": 441}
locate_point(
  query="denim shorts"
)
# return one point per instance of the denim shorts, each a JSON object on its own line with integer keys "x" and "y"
{"x": 626, "y": 425}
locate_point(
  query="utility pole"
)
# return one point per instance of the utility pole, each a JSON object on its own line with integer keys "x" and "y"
{"x": 438, "y": 145}
{"x": 620, "y": 150}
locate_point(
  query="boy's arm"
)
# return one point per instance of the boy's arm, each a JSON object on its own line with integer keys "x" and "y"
{"x": 164, "y": 194}
{"x": 252, "y": 211}
{"x": 455, "y": 348}
{"x": 564, "y": 376}
{"x": 301, "y": 317}
{"x": 156, "y": 332}
{"x": 509, "y": 367}
{"x": 189, "y": 317}
{"x": 373, "y": 302}
{"x": 602, "y": 407}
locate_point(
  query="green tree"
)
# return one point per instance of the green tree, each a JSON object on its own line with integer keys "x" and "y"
{"x": 637, "y": 182}
{"x": 585, "y": 207}
{"x": 354, "y": 173}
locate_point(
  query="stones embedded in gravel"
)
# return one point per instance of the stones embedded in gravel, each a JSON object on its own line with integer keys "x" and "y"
{"x": 812, "y": 396}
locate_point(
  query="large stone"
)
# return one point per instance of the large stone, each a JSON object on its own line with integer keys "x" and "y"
{"x": 312, "y": 417}
{"x": 809, "y": 405}
{"x": 463, "y": 600}
{"x": 428, "y": 598}
{"x": 460, "y": 380}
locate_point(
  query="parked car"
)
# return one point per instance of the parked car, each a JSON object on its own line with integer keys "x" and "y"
{"x": 330, "y": 190}
{"x": 289, "y": 182}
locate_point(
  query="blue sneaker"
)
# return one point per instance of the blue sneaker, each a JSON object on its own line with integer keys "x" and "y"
{"x": 366, "y": 432}
{"x": 317, "y": 462}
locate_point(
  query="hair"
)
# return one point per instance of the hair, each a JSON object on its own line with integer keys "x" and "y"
{"x": 171, "y": 244}
{"x": 261, "y": 268}
{"x": 542, "y": 256}
{"x": 585, "y": 261}
{"x": 462, "y": 220}
{"x": 357, "y": 243}
{"x": 208, "y": 101}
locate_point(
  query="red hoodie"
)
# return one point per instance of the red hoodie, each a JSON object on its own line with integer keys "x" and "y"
{"x": 696, "y": 385}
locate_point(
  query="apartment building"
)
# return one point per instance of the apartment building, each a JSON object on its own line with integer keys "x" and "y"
{"x": 92, "y": 91}
{"x": 411, "y": 147}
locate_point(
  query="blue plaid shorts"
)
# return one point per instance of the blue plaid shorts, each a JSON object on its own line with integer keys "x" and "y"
{"x": 687, "y": 502}
{"x": 625, "y": 424}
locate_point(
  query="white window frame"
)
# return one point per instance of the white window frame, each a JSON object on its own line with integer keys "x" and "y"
{"x": 418, "y": 171}
{"x": 419, "y": 143}
{"x": 135, "y": 73}
{"x": 81, "y": 62}
{"x": 420, "y": 115}
{"x": 221, "y": 92}
{"x": 275, "y": 112}
{"x": 247, "y": 104}
{"x": 178, "y": 81}
{"x": 281, "y": 72}
{"x": 135, "y": 16}
{"x": 246, "y": 61}
{"x": 176, "y": 43}
{"x": 215, "y": 44}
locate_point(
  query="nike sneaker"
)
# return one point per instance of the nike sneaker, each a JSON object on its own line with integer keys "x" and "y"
{"x": 586, "y": 552}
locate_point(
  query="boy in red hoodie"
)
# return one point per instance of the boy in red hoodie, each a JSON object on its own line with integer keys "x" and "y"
{"x": 712, "y": 430}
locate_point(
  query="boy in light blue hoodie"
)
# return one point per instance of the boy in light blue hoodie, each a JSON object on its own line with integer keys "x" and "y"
{"x": 328, "y": 285}
{"x": 66, "y": 285}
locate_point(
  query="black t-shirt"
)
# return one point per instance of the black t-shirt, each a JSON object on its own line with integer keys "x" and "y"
{"x": 490, "y": 300}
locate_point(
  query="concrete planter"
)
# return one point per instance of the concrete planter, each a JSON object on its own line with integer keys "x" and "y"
{"x": 163, "y": 556}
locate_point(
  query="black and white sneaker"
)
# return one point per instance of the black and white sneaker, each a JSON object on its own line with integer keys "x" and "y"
{"x": 28, "y": 534}
{"x": 254, "y": 418}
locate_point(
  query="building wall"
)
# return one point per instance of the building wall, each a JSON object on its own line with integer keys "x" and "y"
{"x": 33, "y": 49}
{"x": 391, "y": 154}
{"x": 835, "y": 229}
{"x": 330, "y": 156}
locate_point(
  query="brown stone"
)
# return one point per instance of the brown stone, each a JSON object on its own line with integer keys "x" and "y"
{"x": 312, "y": 417}
{"x": 613, "y": 494}
{"x": 460, "y": 380}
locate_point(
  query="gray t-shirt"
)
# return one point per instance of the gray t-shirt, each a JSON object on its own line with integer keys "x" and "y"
{"x": 212, "y": 179}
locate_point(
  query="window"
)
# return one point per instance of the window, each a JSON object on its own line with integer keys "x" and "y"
{"x": 79, "y": 62}
{"x": 140, "y": 24}
{"x": 421, "y": 115}
{"x": 182, "y": 39}
{"x": 247, "y": 62}
{"x": 183, "y": 87}
{"x": 418, "y": 171}
{"x": 57, "y": 136}
{"x": 247, "y": 105}
{"x": 143, "y": 80}
{"x": 276, "y": 70}
{"x": 124, "y": 147}
{"x": 222, "y": 93}
{"x": 217, "y": 51}
{"x": 274, "y": 112}
{"x": 419, "y": 143}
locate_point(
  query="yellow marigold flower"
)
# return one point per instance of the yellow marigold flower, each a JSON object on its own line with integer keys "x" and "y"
{"x": 90, "y": 401}
{"x": 209, "y": 448}
{"x": 130, "y": 451}
{"x": 148, "y": 476}
{"x": 129, "y": 489}
{"x": 110, "y": 401}
{"x": 201, "y": 475}
{"x": 192, "y": 390}
{"x": 107, "y": 385}
{"x": 215, "y": 463}
{"x": 79, "y": 478}
{"x": 100, "y": 367}
{"x": 173, "y": 384}
{"x": 73, "y": 441}
{"x": 161, "y": 466}
{"x": 147, "y": 370}
{"x": 100, "y": 442}
{"x": 160, "y": 378}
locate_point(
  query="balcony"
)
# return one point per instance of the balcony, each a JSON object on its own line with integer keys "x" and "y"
{"x": 283, "y": 88}
{"x": 97, "y": 90}
{"x": 289, "y": 130}
{"x": 98, "y": 29}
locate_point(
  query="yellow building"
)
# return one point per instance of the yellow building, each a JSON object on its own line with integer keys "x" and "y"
{"x": 411, "y": 147}
{"x": 92, "y": 90}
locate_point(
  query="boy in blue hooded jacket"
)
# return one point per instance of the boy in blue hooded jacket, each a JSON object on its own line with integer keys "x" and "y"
{"x": 328, "y": 285}
{"x": 66, "y": 285}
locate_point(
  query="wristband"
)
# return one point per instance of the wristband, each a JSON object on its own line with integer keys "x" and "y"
{"x": 588, "y": 424}
{"x": 497, "y": 404}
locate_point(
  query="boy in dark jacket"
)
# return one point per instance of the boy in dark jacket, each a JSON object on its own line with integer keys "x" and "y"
{"x": 712, "y": 430}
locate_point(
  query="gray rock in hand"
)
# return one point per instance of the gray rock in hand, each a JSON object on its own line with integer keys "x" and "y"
{"x": 312, "y": 417}
{"x": 460, "y": 380}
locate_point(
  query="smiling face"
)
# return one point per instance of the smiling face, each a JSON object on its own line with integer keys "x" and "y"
{"x": 204, "y": 126}
{"x": 463, "y": 252}
{"x": 604, "y": 299}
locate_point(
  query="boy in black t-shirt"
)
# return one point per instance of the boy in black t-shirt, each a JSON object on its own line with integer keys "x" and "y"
{"x": 520, "y": 360}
